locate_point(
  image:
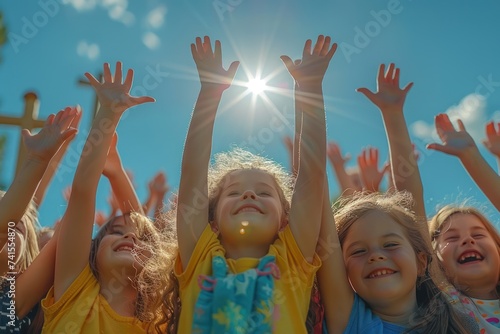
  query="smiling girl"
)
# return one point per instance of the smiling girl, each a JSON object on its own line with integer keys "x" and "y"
{"x": 468, "y": 247}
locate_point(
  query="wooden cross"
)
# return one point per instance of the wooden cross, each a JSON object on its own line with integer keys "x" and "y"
{"x": 27, "y": 121}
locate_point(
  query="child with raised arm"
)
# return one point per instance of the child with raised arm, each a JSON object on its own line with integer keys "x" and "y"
{"x": 467, "y": 243}
{"x": 104, "y": 285}
{"x": 382, "y": 271}
{"x": 29, "y": 272}
{"x": 246, "y": 256}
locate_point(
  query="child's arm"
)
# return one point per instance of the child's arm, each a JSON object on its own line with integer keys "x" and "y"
{"x": 191, "y": 219}
{"x": 41, "y": 148}
{"x": 337, "y": 295}
{"x": 492, "y": 141}
{"x": 338, "y": 308}
{"x": 460, "y": 144}
{"x": 390, "y": 99}
{"x": 32, "y": 285}
{"x": 368, "y": 169}
{"x": 54, "y": 164}
{"x": 74, "y": 241}
{"x": 120, "y": 183}
{"x": 305, "y": 212}
{"x": 347, "y": 186}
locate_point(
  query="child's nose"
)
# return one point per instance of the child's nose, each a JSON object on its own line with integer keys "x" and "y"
{"x": 376, "y": 257}
{"x": 248, "y": 193}
{"x": 468, "y": 239}
{"x": 130, "y": 235}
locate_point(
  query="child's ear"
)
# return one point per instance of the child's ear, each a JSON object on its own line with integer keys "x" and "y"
{"x": 422, "y": 263}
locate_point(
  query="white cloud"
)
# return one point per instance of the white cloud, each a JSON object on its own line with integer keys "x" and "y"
{"x": 471, "y": 110}
{"x": 81, "y": 5}
{"x": 151, "y": 40}
{"x": 117, "y": 9}
{"x": 90, "y": 51}
{"x": 156, "y": 17}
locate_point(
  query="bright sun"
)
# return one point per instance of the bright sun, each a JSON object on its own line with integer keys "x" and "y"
{"x": 256, "y": 86}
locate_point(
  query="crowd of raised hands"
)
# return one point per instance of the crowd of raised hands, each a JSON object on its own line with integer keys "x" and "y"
{"x": 59, "y": 263}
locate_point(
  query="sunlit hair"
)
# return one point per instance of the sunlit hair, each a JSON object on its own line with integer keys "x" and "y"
{"x": 444, "y": 215}
{"x": 43, "y": 236}
{"x": 28, "y": 249}
{"x": 239, "y": 159}
{"x": 154, "y": 278}
{"x": 434, "y": 314}
{"x": 169, "y": 302}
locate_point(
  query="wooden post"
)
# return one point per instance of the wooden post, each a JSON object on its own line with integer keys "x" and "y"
{"x": 29, "y": 121}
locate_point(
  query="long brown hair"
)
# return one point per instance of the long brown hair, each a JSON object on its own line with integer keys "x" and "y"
{"x": 153, "y": 279}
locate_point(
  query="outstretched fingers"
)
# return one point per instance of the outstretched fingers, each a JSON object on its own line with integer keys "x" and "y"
{"x": 118, "y": 72}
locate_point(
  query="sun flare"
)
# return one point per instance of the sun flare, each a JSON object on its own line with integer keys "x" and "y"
{"x": 257, "y": 86}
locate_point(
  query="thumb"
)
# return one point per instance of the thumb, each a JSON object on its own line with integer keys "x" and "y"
{"x": 386, "y": 168}
{"x": 287, "y": 61}
{"x": 231, "y": 71}
{"x": 437, "y": 147}
{"x": 69, "y": 134}
{"x": 408, "y": 87}
{"x": 141, "y": 99}
{"x": 26, "y": 134}
{"x": 366, "y": 92}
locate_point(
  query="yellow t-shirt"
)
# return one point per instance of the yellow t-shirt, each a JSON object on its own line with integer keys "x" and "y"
{"x": 82, "y": 309}
{"x": 292, "y": 291}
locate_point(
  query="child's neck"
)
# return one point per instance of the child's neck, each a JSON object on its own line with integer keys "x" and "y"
{"x": 397, "y": 313}
{"x": 241, "y": 251}
{"x": 481, "y": 292}
{"x": 119, "y": 293}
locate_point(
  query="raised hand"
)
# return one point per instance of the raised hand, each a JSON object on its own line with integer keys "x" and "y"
{"x": 368, "y": 168}
{"x": 158, "y": 186}
{"x": 335, "y": 156}
{"x": 114, "y": 95}
{"x": 388, "y": 96}
{"x": 56, "y": 130}
{"x": 310, "y": 70}
{"x": 209, "y": 64}
{"x": 454, "y": 142}
{"x": 492, "y": 141}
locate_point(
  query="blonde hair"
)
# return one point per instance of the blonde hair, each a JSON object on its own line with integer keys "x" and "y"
{"x": 434, "y": 314}
{"x": 28, "y": 250}
{"x": 239, "y": 159}
{"x": 154, "y": 279}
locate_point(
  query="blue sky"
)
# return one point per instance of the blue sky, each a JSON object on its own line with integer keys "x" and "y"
{"x": 450, "y": 53}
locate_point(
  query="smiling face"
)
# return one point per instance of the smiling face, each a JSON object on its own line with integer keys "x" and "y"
{"x": 468, "y": 252}
{"x": 249, "y": 208}
{"x": 120, "y": 247}
{"x": 380, "y": 261}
